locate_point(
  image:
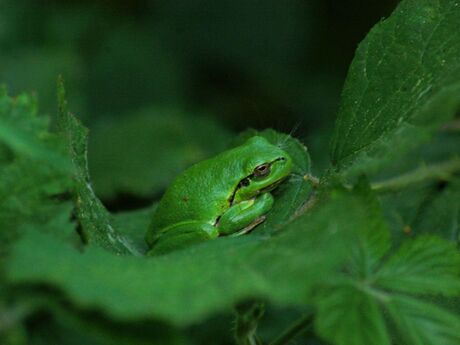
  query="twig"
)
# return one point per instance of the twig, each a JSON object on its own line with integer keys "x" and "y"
{"x": 441, "y": 171}
{"x": 248, "y": 316}
{"x": 294, "y": 330}
{"x": 453, "y": 126}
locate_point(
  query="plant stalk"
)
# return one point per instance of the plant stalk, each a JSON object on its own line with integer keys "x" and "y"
{"x": 294, "y": 330}
{"x": 441, "y": 171}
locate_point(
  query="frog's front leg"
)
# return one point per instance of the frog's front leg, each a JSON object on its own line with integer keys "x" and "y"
{"x": 244, "y": 216}
{"x": 183, "y": 235}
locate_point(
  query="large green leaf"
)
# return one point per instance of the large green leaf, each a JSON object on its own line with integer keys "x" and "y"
{"x": 186, "y": 286}
{"x": 403, "y": 81}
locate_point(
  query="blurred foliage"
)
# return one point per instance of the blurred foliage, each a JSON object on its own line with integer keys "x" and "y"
{"x": 359, "y": 248}
{"x": 259, "y": 64}
{"x": 124, "y": 145}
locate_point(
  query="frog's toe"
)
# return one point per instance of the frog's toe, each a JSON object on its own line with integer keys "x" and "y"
{"x": 250, "y": 227}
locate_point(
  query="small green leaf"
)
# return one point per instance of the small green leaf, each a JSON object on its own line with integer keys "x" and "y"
{"x": 405, "y": 78}
{"x": 94, "y": 218}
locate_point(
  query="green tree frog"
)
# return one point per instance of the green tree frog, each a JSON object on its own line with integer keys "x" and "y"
{"x": 228, "y": 194}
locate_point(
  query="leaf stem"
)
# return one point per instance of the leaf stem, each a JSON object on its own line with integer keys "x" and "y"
{"x": 248, "y": 316}
{"x": 442, "y": 171}
{"x": 453, "y": 126}
{"x": 294, "y": 330}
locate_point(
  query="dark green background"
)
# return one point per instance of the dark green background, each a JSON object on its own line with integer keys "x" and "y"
{"x": 162, "y": 84}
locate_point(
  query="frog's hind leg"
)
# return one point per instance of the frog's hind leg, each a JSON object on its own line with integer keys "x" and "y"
{"x": 181, "y": 236}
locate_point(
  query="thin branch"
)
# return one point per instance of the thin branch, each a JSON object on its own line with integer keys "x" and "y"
{"x": 453, "y": 126}
{"x": 247, "y": 319}
{"x": 294, "y": 330}
{"x": 441, "y": 171}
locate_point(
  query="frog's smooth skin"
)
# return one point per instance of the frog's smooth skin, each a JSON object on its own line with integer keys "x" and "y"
{"x": 228, "y": 194}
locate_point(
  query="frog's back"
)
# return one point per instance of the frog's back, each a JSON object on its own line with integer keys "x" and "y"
{"x": 200, "y": 193}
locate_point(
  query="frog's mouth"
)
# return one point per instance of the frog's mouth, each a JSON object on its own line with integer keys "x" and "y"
{"x": 273, "y": 185}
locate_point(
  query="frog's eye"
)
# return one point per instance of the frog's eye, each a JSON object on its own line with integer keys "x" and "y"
{"x": 262, "y": 170}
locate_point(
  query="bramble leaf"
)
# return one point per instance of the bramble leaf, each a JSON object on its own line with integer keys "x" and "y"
{"x": 425, "y": 265}
{"x": 33, "y": 173}
{"x": 403, "y": 82}
{"x": 355, "y": 305}
{"x": 189, "y": 285}
{"x": 94, "y": 218}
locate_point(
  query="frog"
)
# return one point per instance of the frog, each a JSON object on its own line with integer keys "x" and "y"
{"x": 226, "y": 195}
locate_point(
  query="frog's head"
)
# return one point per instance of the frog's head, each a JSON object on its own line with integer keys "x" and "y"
{"x": 265, "y": 168}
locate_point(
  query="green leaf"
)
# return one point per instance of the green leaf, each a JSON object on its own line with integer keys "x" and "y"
{"x": 140, "y": 154}
{"x": 373, "y": 241}
{"x": 419, "y": 192}
{"x": 94, "y": 218}
{"x": 351, "y": 317}
{"x": 443, "y": 148}
{"x": 422, "y": 266}
{"x": 376, "y": 280}
{"x": 26, "y": 133}
{"x": 348, "y": 303}
{"x": 441, "y": 214}
{"x": 133, "y": 225}
{"x": 403, "y": 81}
{"x": 424, "y": 209}
{"x": 401, "y": 209}
{"x": 189, "y": 285}
{"x": 33, "y": 173}
{"x": 421, "y": 323}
